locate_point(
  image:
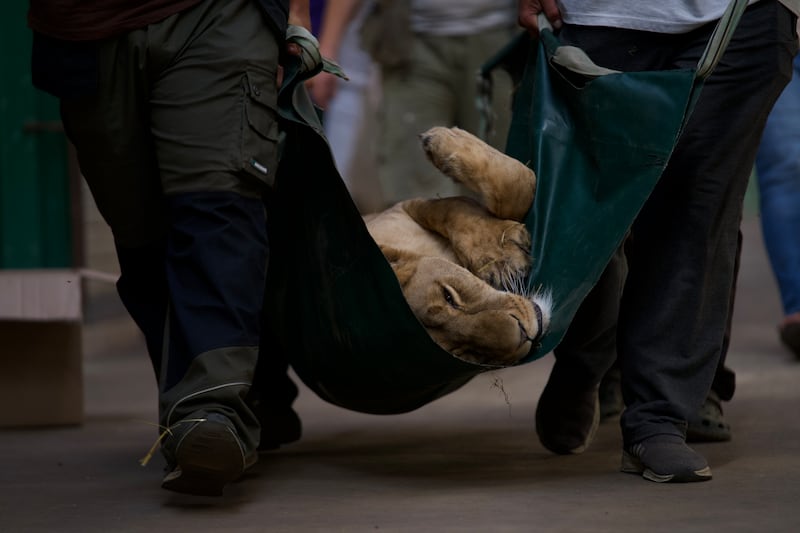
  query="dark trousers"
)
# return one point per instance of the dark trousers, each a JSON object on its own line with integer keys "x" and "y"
{"x": 668, "y": 327}
{"x": 178, "y": 144}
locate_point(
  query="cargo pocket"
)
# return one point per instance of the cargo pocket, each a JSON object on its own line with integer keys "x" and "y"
{"x": 259, "y": 155}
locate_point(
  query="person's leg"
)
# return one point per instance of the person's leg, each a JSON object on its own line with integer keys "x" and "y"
{"x": 110, "y": 131}
{"x": 676, "y": 300}
{"x": 778, "y": 170}
{"x": 566, "y": 422}
{"x": 414, "y": 100}
{"x": 168, "y": 148}
{"x": 348, "y": 110}
{"x": 214, "y": 120}
{"x": 344, "y": 119}
{"x": 568, "y": 410}
{"x": 707, "y": 423}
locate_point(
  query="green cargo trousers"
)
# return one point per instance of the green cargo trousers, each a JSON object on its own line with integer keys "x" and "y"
{"x": 178, "y": 146}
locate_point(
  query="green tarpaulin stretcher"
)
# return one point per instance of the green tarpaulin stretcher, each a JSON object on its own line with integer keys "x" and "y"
{"x": 598, "y": 142}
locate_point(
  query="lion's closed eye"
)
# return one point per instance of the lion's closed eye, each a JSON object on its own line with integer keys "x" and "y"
{"x": 449, "y": 296}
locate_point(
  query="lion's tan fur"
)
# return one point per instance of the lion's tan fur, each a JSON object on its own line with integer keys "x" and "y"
{"x": 460, "y": 262}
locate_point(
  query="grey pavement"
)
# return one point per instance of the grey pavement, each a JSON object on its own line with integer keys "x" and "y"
{"x": 468, "y": 462}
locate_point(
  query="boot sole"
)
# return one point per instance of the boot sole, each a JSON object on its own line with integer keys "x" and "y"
{"x": 208, "y": 457}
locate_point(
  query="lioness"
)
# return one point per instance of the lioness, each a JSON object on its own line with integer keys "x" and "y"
{"x": 461, "y": 263}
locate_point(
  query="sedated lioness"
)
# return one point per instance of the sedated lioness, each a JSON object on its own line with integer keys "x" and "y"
{"x": 462, "y": 263}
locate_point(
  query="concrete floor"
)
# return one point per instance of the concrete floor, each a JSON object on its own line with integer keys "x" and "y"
{"x": 468, "y": 462}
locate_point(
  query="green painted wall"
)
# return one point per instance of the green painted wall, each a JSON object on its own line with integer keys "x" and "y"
{"x": 35, "y": 219}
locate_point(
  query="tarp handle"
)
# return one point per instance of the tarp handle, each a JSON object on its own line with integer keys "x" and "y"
{"x": 720, "y": 38}
{"x": 577, "y": 61}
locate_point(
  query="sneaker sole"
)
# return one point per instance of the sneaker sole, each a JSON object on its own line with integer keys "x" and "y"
{"x": 209, "y": 457}
{"x": 632, "y": 465}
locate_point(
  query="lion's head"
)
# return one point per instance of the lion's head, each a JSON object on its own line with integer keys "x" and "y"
{"x": 465, "y": 315}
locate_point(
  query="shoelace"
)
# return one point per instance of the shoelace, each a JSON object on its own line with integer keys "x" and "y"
{"x": 167, "y": 431}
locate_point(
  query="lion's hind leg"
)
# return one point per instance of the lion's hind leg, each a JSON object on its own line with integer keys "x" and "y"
{"x": 506, "y": 186}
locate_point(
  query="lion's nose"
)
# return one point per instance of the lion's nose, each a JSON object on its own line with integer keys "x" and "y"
{"x": 523, "y": 331}
{"x": 524, "y": 335}
{"x": 539, "y": 323}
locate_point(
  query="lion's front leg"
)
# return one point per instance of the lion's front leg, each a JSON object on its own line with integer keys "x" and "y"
{"x": 495, "y": 250}
{"x": 506, "y": 185}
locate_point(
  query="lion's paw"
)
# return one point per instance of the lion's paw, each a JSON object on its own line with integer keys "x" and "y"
{"x": 504, "y": 260}
{"x": 456, "y": 153}
{"x": 505, "y": 185}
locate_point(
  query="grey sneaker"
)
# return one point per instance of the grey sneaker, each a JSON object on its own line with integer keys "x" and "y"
{"x": 205, "y": 454}
{"x": 665, "y": 459}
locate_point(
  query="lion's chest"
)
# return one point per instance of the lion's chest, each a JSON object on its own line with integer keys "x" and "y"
{"x": 395, "y": 229}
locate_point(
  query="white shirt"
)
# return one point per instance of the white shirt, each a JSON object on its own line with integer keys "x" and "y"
{"x": 661, "y": 16}
{"x": 461, "y": 17}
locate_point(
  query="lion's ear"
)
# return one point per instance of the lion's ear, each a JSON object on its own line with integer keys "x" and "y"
{"x": 403, "y": 263}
